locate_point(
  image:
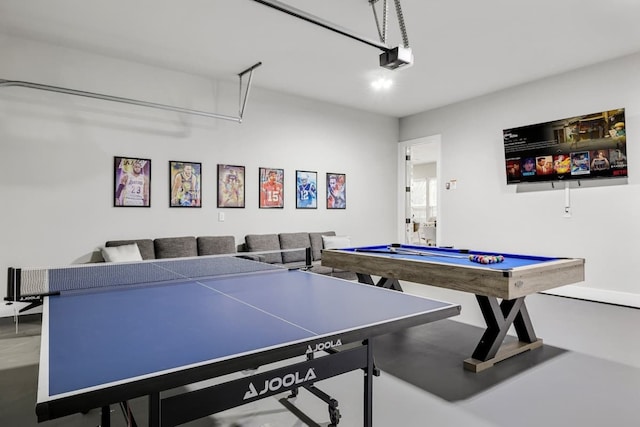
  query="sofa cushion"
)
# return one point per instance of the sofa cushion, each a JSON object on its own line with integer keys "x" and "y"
{"x": 122, "y": 253}
{"x": 293, "y": 241}
{"x": 175, "y": 247}
{"x": 216, "y": 245}
{"x": 145, "y": 246}
{"x": 316, "y": 243}
{"x": 265, "y": 242}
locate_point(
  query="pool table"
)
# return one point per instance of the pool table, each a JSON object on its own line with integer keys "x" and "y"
{"x": 500, "y": 288}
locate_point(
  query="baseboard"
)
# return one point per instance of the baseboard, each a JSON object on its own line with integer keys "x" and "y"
{"x": 597, "y": 295}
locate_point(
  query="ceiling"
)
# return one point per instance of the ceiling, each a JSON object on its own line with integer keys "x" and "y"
{"x": 462, "y": 48}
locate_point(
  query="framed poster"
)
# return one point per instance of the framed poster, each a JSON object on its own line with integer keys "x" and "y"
{"x": 230, "y": 186}
{"x": 271, "y": 184}
{"x": 132, "y": 182}
{"x": 184, "y": 184}
{"x": 306, "y": 190}
{"x": 336, "y": 191}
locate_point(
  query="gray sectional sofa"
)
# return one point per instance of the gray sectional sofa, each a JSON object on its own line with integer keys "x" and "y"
{"x": 189, "y": 246}
{"x": 178, "y": 247}
{"x": 284, "y": 241}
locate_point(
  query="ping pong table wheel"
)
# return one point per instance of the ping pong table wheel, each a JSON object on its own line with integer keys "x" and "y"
{"x": 334, "y": 413}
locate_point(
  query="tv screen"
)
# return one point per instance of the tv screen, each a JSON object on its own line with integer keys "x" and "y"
{"x": 577, "y": 148}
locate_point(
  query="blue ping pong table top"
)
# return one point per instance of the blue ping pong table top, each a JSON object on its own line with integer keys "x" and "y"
{"x": 91, "y": 340}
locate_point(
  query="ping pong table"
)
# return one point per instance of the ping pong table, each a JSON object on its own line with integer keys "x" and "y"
{"x": 116, "y": 331}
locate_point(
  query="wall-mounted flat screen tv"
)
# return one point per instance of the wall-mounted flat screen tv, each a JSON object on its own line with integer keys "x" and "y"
{"x": 578, "y": 148}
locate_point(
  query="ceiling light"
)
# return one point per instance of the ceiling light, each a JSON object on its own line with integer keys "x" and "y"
{"x": 381, "y": 83}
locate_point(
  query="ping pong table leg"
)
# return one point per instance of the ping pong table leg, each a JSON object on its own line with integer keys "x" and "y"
{"x": 105, "y": 416}
{"x": 154, "y": 410}
{"x": 368, "y": 386}
{"x": 128, "y": 415}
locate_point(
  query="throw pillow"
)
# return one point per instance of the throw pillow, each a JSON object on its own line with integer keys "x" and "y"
{"x": 122, "y": 253}
{"x": 336, "y": 242}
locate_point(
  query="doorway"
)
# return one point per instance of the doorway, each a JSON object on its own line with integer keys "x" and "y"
{"x": 418, "y": 178}
{"x": 424, "y": 202}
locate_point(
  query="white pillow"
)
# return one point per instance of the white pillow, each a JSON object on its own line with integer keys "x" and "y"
{"x": 336, "y": 242}
{"x": 122, "y": 253}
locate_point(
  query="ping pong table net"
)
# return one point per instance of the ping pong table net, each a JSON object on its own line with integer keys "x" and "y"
{"x": 33, "y": 283}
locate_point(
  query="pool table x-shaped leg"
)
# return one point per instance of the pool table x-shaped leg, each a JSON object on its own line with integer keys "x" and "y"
{"x": 383, "y": 282}
{"x": 499, "y": 317}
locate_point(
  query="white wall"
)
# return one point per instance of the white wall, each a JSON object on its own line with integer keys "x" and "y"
{"x": 484, "y": 213}
{"x": 57, "y": 156}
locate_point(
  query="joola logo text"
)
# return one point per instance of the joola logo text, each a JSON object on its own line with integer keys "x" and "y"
{"x": 323, "y": 346}
{"x": 275, "y": 384}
